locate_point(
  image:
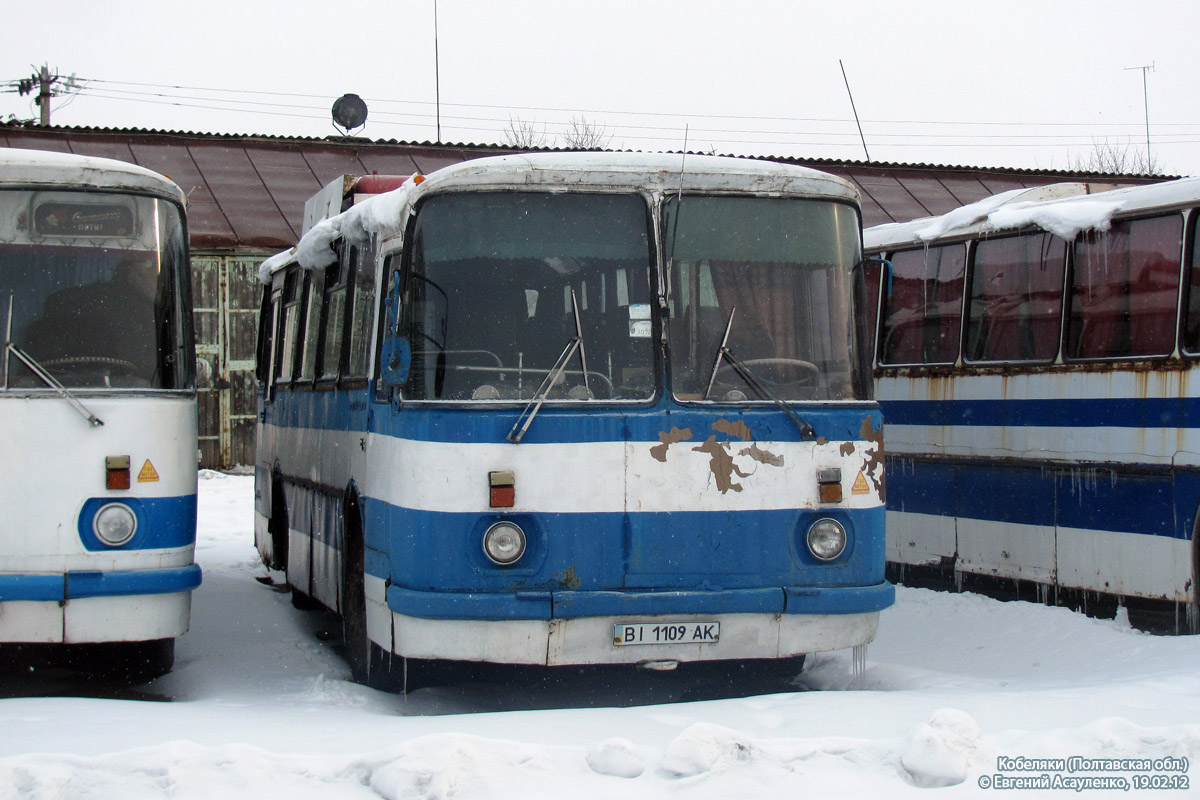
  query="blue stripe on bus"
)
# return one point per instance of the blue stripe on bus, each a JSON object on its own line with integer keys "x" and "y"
{"x": 355, "y": 411}
{"x": 1155, "y": 503}
{"x": 570, "y": 604}
{"x": 78, "y": 584}
{"x": 1171, "y": 412}
{"x": 162, "y": 522}
{"x": 617, "y": 551}
{"x": 32, "y": 587}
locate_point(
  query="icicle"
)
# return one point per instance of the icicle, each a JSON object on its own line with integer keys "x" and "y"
{"x": 859, "y": 666}
{"x": 958, "y": 581}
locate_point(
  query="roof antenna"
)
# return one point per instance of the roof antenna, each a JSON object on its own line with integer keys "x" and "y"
{"x": 349, "y": 111}
{"x": 855, "y": 110}
{"x": 678, "y": 209}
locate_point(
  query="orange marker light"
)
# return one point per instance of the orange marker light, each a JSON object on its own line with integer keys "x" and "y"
{"x": 829, "y": 485}
{"x": 503, "y": 492}
{"x": 116, "y": 470}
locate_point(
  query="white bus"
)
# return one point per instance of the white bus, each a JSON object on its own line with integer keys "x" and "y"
{"x": 97, "y": 408}
{"x": 502, "y": 419}
{"x": 1034, "y": 365}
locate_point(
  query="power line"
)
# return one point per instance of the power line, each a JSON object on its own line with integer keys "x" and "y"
{"x": 500, "y": 123}
{"x": 674, "y": 114}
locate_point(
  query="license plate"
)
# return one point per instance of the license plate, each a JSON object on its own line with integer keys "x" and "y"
{"x": 626, "y": 633}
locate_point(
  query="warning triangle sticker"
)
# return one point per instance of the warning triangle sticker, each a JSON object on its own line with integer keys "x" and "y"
{"x": 148, "y": 474}
{"x": 860, "y": 485}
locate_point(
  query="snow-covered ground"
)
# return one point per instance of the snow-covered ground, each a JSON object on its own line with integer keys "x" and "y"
{"x": 261, "y": 706}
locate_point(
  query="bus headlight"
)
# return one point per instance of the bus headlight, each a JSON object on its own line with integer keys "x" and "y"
{"x": 504, "y": 543}
{"x": 826, "y": 539}
{"x": 115, "y": 524}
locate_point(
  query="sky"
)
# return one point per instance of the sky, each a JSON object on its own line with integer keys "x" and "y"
{"x": 1036, "y": 84}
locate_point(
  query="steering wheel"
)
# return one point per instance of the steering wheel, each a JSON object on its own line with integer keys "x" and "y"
{"x": 83, "y": 362}
{"x": 810, "y": 372}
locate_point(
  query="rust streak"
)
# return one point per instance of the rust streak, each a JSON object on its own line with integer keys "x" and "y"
{"x": 873, "y": 465}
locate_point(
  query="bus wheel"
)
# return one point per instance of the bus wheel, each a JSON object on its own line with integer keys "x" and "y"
{"x": 149, "y": 660}
{"x": 278, "y": 528}
{"x": 366, "y": 659}
{"x": 124, "y": 662}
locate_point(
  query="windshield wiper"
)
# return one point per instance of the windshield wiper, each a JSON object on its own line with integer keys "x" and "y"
{"x": 40, "y": 371}
{"x": 535, "y": 404}
{"x": 723, "y": 353}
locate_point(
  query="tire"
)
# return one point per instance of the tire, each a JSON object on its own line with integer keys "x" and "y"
{"x": 278, "y": 528}
{"x": 370, "y": 664}
{"x": 123, "y": 662}
{"x": 149, "y": 660}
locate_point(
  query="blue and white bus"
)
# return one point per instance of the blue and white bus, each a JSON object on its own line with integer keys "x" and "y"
{"x": 1034, "y": 361}
{"x": 97, "y": 407}
{"x": 573, "y": 409}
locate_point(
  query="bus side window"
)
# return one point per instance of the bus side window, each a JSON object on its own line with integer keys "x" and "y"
{"x": 267, "y": 322}
{"x": 1124, "y": 289}
{"x": 312, "y": 324}
{"x": 922, "y": 313}
{"x": 286, "y": 360}
{"x": 1014, "y": 311}
{"x": 362, "y": 313}
{"x": 333, "y": 335}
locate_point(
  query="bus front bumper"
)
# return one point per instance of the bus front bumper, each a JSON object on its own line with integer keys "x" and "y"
{"x": 573, "y": 627}
{"x": 96, "y": 606}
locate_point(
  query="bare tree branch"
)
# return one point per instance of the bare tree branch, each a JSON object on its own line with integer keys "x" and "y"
{"x": 525, "y": 134}
{"x": 586, "y": 135}
{"x": 1110, "y": 158}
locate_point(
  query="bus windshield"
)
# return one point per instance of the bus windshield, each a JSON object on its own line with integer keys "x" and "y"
{"x": 775, "y": 272}
{"x": 96, "y": 283}
{"x": 498, "y": 281}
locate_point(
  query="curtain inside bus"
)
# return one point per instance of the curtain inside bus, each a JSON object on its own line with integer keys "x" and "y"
{"x": 783, "y": 269}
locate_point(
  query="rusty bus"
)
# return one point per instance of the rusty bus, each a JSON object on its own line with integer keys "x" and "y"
{"x": 1033, "y": 359}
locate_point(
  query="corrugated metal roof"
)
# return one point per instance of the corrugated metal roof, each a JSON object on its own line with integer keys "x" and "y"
{"x": 248, "y": 191}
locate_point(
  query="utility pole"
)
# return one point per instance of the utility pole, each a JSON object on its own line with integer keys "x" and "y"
{"x": 44, "y": 82}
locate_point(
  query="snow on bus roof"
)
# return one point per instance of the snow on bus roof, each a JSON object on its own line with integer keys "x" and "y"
{"x": 664, "y": 171}
{"x": 1064, "y": 210}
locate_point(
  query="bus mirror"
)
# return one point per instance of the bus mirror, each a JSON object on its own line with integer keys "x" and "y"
{"x": 396, "y": 360}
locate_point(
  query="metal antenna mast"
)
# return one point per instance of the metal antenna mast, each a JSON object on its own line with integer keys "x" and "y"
{"x": 437, "y": 78}
{"x": 855, "y": 110}
{"x": 1146, "y": 100}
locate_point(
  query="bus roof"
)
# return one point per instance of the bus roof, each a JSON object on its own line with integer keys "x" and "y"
{"x": 595, "y": 171}
{"x": 1064, "y": 209}
{"x": 67, "y": 170}
{"x": 647, "y": 171}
